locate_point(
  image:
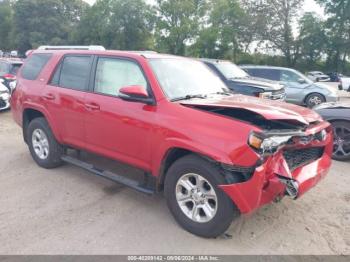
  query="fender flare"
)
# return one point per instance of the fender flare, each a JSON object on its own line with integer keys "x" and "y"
{"x": 42, "y": 109}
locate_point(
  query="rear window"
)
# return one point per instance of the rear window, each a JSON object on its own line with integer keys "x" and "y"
{"x": 34, "y": 64}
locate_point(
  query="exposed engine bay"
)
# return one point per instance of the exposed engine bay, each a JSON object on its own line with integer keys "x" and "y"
{"x": 255, "y": 119}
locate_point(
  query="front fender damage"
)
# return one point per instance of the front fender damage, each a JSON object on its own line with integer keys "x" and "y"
{"x": 276, "y": 178}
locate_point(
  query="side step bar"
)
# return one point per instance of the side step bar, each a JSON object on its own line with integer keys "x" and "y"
{"x": 109, "y": 175}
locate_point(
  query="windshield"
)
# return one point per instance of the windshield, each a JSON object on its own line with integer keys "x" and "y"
{"x": 230, "y": 70}
{"x": 184, "y": 77}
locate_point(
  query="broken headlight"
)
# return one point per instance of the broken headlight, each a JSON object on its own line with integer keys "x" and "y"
{"x": 267, "y": 144}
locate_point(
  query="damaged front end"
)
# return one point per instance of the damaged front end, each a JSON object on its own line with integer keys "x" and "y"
{"x": 291, "y": 147}
{"x": 291, "y": 162}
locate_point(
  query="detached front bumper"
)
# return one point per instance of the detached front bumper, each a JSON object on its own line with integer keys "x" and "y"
{"x": 278, "y": 176}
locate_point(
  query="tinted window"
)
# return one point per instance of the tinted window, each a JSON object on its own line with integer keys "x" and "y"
{"x": 14, "y": 68}
{"x": 74, "y": 72}
{"x": 113, "y": 74}
{"x": 34, "y": 65}
{"x": 56, "y": 78}
{"x": 271, "y": 74}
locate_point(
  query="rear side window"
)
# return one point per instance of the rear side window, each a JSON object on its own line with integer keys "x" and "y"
{"x": 271, "y": 74}
{"x": 34, "y": 65}
{"x": 73, "y": 72}
{"x": 14, "y": 68}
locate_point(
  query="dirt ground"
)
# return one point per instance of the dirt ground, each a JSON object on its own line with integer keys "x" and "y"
{"x": 68, "y": 211}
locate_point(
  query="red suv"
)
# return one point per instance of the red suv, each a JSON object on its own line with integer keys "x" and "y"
{"x": 215, "y": 154}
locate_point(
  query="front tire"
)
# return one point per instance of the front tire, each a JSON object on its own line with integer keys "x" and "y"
{"x": 43, "y": 146}
{"x": 194, "y": 199}
{"x": 341, "y": 150}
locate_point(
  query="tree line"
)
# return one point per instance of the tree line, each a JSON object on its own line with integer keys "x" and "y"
{"x": 245, "y": 31}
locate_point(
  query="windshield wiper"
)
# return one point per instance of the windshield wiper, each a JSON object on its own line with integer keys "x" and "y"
{"x": 225, "y": 93}
{"x": 238, "y": 77}
{"x": 188, "y": 97}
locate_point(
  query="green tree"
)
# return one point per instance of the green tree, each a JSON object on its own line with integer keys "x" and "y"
{"x": 219, "y": 37}
{"x": 6, "y": 25}
{"x": 312, "y": 38}
{"x": 46, "y": 22}
{"x": 279, "y": 33}
{"x": 254, "y": 22}
{"x": 118, "y": 24}
{"x": 338, "y": 32}
{"x": 226, "y": 17}
{"x": 178, "y": 24}
{"x": 93, "y": 27}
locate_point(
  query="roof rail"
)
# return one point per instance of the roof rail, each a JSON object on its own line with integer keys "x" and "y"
{"x": 89, "y": 47}
{"x": 142, "y": 52}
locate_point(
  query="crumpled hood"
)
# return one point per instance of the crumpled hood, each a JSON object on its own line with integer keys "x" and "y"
{"x": 268, "y": 85}
{"x": 270, "y": 110}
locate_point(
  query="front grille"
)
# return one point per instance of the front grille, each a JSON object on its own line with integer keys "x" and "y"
{"x": 279, "y": 94}
{"x": 299, "y": 157}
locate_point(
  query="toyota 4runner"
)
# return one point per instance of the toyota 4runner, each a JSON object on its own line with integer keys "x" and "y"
{"x": 214, "y": 154}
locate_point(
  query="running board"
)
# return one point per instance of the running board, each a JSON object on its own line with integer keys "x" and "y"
{"x": 108, "y": 175}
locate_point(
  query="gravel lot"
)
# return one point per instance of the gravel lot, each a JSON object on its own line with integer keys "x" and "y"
{"x": 68, "y": 211}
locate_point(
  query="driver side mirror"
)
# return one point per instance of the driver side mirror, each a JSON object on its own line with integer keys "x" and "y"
{"x": 135, "y": 94}
{"x": 301, "y": 81}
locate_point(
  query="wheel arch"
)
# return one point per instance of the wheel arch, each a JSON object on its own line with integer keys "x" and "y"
{"x": 170, "y": 157}
{"x": 29, "y": 114}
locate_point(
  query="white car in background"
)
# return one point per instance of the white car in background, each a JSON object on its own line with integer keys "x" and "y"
{"x": 318, "y": 76}
{"x": 4, "y": 96}
{"x": 344, "y": 84}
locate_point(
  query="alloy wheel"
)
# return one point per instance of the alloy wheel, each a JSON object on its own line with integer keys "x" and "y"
{"x": 341, "y": 141}
{"x": 40, "y": 144}
{"x": 196, "y": 197}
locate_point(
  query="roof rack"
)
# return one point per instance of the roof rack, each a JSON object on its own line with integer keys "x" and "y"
{"x": 89, "y": 47}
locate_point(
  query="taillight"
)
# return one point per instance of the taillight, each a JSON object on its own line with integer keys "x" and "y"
{"x": 9, "y": 77}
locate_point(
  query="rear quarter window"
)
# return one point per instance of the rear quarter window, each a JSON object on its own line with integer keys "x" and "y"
{"x": 34, "y": 64}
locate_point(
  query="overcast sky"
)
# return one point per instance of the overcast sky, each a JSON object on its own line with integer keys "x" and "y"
{"x": 309, "y": 6}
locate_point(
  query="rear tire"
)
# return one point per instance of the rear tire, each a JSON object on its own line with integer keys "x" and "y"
{"x": 314, "y": 99}
{"x": 43, "y": 146}
{"x": 200, "y": 220}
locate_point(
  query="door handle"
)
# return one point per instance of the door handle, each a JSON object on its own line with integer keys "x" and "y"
{"x": 92, "y": 106}
{"x": 49, "y": 96}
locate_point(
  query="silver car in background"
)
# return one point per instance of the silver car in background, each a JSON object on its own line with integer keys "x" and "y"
{"x": 300, "y": 90}
{"x": 318, "y": 76}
